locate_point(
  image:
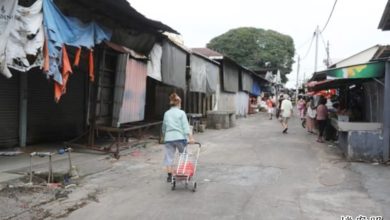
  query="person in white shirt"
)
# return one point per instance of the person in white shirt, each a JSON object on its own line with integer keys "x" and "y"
{"x": 286, "y": 112}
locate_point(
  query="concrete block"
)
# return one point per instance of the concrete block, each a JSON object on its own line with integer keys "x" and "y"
{"x": 225, "y": 118}
{"x": 362, "y": 145}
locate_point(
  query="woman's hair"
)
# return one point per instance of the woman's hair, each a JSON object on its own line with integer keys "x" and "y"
{"x": 174, "y": 99}
{"x": 322, "y": 100}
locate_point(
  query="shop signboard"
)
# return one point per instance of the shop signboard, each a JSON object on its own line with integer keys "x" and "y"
{"x": 368, "y": 70}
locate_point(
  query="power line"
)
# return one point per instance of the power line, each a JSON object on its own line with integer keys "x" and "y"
{"x": 308, "y": 50}
{"x": 306, "y": 42}
{"x": 323, "y": 41}
{"x": 330, "y": 15}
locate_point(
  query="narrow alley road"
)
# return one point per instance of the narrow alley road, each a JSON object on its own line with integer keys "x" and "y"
{"x": 251, "y": 171}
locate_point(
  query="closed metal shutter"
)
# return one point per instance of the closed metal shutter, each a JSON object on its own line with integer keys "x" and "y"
{"x": 9, "y": 111}
{"x": 50, "y": 121}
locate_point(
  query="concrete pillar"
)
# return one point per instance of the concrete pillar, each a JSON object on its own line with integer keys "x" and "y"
{"x": 386, "y": 115}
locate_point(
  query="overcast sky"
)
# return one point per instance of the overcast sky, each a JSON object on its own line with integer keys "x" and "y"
{"x": 352, "y": 28}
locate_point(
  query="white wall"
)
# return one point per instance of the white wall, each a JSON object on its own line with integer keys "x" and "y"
{"x": 362, "y": 57}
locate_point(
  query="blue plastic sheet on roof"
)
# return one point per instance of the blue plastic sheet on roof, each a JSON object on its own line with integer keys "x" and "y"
{"x": 256, "y": 89}
{"x": 61, "y": 30}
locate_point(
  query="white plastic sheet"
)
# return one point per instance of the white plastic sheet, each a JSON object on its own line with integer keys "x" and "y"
{"x": 198, "y": 74}
{"x": 212, "y": 76}
{"x": 242, "y": 103}
{"x": 26, "y": 38}
{"x": 154, "y": 64}
{"x": 7, "y": 19}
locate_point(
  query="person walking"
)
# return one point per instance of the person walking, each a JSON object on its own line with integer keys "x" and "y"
{"x": 286, "y": 112}
{"x": 322, "y": 116}
{"x": 270, "y": 106}
{"x": 176, "y": 131}
{"x": 301, "y": 106}
{"x": 310, "y": 116}
{"x": 278, "y": 110}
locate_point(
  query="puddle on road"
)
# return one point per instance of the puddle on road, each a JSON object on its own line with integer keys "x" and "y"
{"x": 244, "y": 175}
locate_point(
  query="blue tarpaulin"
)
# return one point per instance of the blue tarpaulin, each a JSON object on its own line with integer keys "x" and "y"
{"x": 61, "y": 30}
{"x": 256, "y": 89}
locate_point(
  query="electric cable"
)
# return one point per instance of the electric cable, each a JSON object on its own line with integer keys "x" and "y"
{"x": 304, "y": 44}
{"x": 330, "y": 15}
{"x": 308, "y": 50}
{"x": 323, "y": 42}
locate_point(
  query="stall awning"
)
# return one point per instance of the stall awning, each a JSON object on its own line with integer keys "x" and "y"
{"x": 340, "y": 77}
{"x": 334, "y": 83}
{"x": 360, "y": 71}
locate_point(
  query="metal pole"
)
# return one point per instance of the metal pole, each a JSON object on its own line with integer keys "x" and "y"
{"x": 23, "y": 109}
{"x": 316, "y": 52}
{"x": 327, "y": 56}
{"x": 297, "y": 92}
{"x": 386, "y": 115}
{"x": 31, "y": 172}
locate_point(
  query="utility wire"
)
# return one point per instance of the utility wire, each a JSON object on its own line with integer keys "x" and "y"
{"x": 304, "y": 44}
{"x": 323, "y": 41}
{"x": 308, "y": 50}
{"x": 330, "y": 15}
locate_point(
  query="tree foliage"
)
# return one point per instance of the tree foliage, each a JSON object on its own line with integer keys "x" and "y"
{"x": 257, "y": 48}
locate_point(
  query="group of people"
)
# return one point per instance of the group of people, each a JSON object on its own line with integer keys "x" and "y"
{"x": 310, "y": 113}
{"x": 314, "y": 115}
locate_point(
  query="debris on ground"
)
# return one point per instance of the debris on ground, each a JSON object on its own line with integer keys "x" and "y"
{"x": 10, "y": 153}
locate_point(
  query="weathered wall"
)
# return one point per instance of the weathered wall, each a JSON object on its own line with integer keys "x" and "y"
{"x": 362, "y": 145}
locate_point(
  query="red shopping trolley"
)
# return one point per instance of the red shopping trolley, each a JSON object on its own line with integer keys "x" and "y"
{"x": 186, "y": 164}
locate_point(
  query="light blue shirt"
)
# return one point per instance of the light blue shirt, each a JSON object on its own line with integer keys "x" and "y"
{"x": 175, "y": 125}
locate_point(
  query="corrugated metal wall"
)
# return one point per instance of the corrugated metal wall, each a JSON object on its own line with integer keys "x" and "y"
{"x": 105, "y": 87}
{"x": 242, "y": 103}
{"x": 246, "y": 81}
{"x": 226, "y": 101}
{"x": 133, "y": 99}
{"x": 162, "y": 93}
{"x": 374, "y": 95}
{"x": 199, "y": 103}
{"x": 9, "y": 111}
{"x": 230, "y": 77}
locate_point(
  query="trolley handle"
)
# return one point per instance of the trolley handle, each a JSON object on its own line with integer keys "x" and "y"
{"x": 196, "y": 143}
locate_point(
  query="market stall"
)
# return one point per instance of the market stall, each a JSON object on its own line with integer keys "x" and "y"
{"x": 357, "y": 108}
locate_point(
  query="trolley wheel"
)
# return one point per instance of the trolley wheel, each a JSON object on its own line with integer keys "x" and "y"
{"x": 173, "y": 184}
{"x": 194, "y": 187}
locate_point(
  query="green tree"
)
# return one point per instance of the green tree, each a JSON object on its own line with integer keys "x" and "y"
{"x": 257, "y": 48}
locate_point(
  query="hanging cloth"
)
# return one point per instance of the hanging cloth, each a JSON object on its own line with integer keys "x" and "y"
{"x": 7, "y": 20}
{"x": 60, "y": 31}
{"x": 25, "y": 43}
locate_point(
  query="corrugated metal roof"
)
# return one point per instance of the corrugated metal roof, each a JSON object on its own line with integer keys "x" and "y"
{"x": 207, "y": 52}
{"x": 121, "y": 11}
{"x": 384, "y": 24}
{"x": 205, "y": 57}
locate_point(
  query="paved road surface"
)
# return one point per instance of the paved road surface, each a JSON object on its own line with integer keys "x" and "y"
{"x": 251, "y": 171}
